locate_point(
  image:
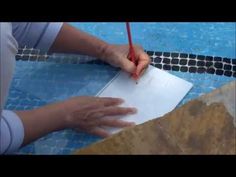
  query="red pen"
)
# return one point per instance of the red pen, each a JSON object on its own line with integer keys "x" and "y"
{"x": 131, "y": 55}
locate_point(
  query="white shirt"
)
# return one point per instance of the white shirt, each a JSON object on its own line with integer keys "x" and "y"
{"x": 32, "y": 35}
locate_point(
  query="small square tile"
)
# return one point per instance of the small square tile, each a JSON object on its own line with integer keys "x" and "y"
{"x": 226, "y": 60}
{"x": 150, "y": 53}
{"x": 175, "y": 68}
{"x": 228, "y": 73}
{"x": 183, "y": 62}
{"x": 234, "y": 68}
{"x": 174, "y": 54}
{"x": 211, "y": 70}
{"x": 201, "y": 57}
{"x": 227, "y": 67}
{"x": 158, "y": 53}
{"x": 208, "y": 64}
{"x": 34, "y": 52}
{"x": 174, "y": 61}
{"x": 200, "y": 63}
{"x": 26, "y": 51}
{"x": 166, "y": 61}
{"x": 209, "y": 58}
{"x": 192, "y": 62}
{"x": 217, "y": 59}
{"x": 41, "y": 58}
{"x": 166, "y": 54}
{"x": 219, "y": 72}
{"x": 218, "y": 65}
{"x": 201, "y": 70}
{"x": 158, "y": 66}
{"x": 166, "y": 67}
{"x": 184, "y": 69}
{"x": 25, "y": 58}
{"x": 192, "y": 69}
{"x": 234, "y": 74}
{"x": 33, "y": 58}
{"x": 192, "y": 56}
{"x": 183, "y": 55}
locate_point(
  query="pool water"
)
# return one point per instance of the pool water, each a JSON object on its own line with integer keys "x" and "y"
{"x": 39, "y": 83}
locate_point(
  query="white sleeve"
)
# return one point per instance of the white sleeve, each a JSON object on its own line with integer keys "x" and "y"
{"x": 11, "y": 127}
{"x": 36, "y": 35}
{"x": 12, "y": 132}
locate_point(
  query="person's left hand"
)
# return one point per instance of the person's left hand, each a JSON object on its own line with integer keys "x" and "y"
{"x": 117, "y": 55}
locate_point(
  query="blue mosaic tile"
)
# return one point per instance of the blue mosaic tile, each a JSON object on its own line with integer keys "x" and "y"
{"x": 213, "y": 39}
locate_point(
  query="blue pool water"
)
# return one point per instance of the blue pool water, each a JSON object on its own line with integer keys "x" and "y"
{"x": 38, "y": 83}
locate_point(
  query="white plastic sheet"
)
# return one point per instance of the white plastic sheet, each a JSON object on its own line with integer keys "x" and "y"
{"x": 156, "y": 94}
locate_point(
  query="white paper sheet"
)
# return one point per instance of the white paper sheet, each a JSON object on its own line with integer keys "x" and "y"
{"x": 156, "y": 94}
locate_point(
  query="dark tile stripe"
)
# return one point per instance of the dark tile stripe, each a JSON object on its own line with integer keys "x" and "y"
{"x": 193, "y": 63}
{"x": 164, "y": 60}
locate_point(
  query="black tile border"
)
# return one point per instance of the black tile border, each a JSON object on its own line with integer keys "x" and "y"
{"x": 193, "y": 63}
{"x": 174, "y": 61}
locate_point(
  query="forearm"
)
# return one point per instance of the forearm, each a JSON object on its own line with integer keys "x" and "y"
{"x": 41, "y": 121}
{"x": 72, "y": 40}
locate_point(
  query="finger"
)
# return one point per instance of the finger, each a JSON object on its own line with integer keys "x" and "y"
{"x": 91, "y": 106}
{"x": 100, "y": 132}
{"x": 127, "y": 65}
{"x": 143, "y": 63}
{"x": 111, "y": 122}
{"x": 97, "y": 114}
{"x": 142, "y": 72}
{"x": 114, "y": 111}
{"x": 94, "y": 116}
{"x": 109, "y": 101}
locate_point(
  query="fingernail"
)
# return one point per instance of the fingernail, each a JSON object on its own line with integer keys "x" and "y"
{"x": 133, "y": 110}
{"x": 120, "y": 100}
{"x": 135, "y": 76}
{"x": 142, "y": 72}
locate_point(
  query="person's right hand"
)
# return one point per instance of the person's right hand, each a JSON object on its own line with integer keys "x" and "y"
{"x": 91, "y": 113}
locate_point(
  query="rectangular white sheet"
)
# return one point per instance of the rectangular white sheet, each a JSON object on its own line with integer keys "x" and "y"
{"x": 156, "y": 94}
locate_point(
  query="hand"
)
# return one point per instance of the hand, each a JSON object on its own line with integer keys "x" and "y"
{"x": 116, "y": 55}
{"x": 72, "y": 40}
{"x": 91, "y": 113}
{"x": 84, "y": 113}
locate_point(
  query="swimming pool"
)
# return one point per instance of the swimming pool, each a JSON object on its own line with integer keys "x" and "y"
{"x": 37, "y": 83}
